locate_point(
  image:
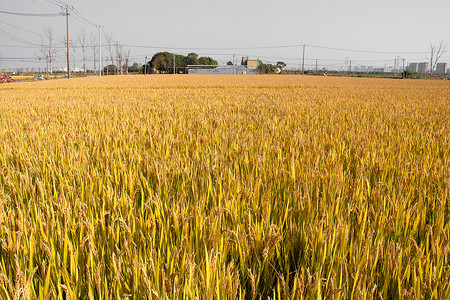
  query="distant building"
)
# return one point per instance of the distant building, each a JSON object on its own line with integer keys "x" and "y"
{"x": 73, "y": 70}
{"x": 423, "y": 68}
{"x": 252, "y": 64}
{"x": 224, "y": 70}
{"x": 357, "y": 69}
{"x": 247, "y": 67}
{"x": 413, "y": 67}
{"x": 441, "y": 68}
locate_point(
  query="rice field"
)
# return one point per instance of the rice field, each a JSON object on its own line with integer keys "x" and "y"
{"x": 225, "y": 187}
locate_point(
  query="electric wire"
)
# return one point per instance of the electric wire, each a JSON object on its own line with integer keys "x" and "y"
{"x": 362, "y": 51}
{"x": 83, "y": 21}
{"x": 28, "y": 14}
{"x": 80, "y": 21}
{"x": 58, "y": 3}
{"x": 23, "y": 29}
{"x": 209, "y": 48}
{"x": 15, "y": 38}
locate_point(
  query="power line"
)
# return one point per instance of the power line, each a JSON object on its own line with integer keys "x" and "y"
{"x": 84, "y": 19}
{"x": 57, "y": 2}
{"x": 194, "y": 48}
{"x": 16, "y": 46}
{"x": 271, "y": 47}
{"x": 76, "y": 14}
{"x": 363, "y": 51}
{"x": 15, "y": 38}
{"x": 28, "y": 14}
{"x": 80, "y": 20}
{"x": 19, "y": 58}
{"x": 20, "y": 28}
{"x": 106, "y": 34}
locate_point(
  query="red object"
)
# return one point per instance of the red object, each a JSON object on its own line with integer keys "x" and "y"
{"x": 6, "y": 79}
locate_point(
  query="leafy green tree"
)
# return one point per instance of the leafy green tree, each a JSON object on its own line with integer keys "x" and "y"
{"x": 266, "y": 68}
{"x": 110, "y": 70}
{"x": 135, "y": 68}
{"x": 207, "y": 61}
{"x": 180, "y": 61}
{"x": 281, "y": 65}
{"x": 191, "y": 59}
{"x": 164, "y": 62}
{"x": 160, "y": 61}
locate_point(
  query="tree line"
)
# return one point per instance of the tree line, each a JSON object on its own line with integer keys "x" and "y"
{"x": 166, "y": 62}
{"x": 271, "y": 68}
{"x": 161, "y": 62}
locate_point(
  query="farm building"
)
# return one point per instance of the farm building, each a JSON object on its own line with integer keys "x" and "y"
{"x": 223, "y": 70}
{"x": 246, "y": 67}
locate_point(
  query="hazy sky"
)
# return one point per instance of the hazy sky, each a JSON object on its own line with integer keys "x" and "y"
{"x": 403, "y": 28}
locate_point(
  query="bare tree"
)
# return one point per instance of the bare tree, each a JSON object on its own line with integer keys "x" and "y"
{"x": 93, "y": 43}
{"x": 74, "y": 47}
{"x": 110, "y": 49}
{"x": 119, "y": 57}
{"x": 435, "y": 54}
{"x": 47, "y": 48}
{"x": 82, "y": 42}
{"x": 127, "y": 60}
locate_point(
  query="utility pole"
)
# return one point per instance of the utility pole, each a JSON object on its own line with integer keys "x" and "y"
{"x": 117, "y": 58}
{"x": 100, "y": 49}
{"x": 107, "y": 66}
{"x": 145, "y": 65}
{"x": 174, "y": 66}
{"x": 350, "y": 68}
{"x": 47, "y": 65}
{"x": 68, "y": 48}
{"x": 303, "y": 60}
{"x": 316, "y": 65}
{"x": 403, "y": 69}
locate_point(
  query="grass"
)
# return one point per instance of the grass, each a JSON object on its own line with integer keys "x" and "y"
{"x": 225, "y": 187}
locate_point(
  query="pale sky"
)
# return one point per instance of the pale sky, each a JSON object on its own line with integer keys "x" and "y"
{"x": 383, "y": 30}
